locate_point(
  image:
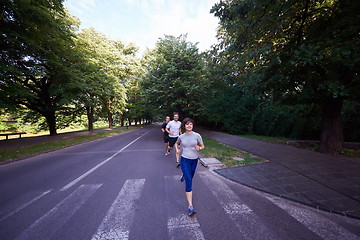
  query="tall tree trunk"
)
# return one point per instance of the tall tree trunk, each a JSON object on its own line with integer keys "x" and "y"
{"x": 332, "y": 138}
{"x": 110, "y": 119}
{"x": 51, "y": 121}
{"x": 90, "y": 116}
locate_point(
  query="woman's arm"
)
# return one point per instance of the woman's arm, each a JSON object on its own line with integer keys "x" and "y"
{"x": 201, "y": 147}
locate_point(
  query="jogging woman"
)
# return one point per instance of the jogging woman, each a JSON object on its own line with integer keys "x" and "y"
{"x": 191, "y": 142}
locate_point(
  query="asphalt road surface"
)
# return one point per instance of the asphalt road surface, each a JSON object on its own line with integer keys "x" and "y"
{"x": 123, "y": 187}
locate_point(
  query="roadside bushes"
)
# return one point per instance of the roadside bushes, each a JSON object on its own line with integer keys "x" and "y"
{"x": 297, "y": 122}
{"x": 233, "y": 110}
{"x": 238, "y": 112}
{"x": 230, "y": 110}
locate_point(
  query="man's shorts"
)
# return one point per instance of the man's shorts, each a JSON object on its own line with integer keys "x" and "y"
{"x": 172, "y": 141}
{"x": 166, "y": 138}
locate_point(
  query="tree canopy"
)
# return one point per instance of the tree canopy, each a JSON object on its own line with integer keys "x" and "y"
{"x": 174, "y": 80}
{"x": 36, "y": 53}
{"x": 106, "y": 68}
{"x": 298, "y": 52}
{"x": 50, "y": 69}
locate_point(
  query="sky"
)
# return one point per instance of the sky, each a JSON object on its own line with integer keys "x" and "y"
{"x": 143, "y": 22}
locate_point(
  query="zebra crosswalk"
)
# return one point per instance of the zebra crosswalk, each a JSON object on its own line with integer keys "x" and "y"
{"x": 120, "y": 219}
{"x": 240, "y": 213}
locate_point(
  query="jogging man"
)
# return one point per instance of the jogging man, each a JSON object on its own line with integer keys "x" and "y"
{"x": 174, "y": 130}
{"x": 166, "y": 135}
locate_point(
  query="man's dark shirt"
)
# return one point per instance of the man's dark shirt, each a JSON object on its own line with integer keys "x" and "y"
{"x": 166, "y": 134}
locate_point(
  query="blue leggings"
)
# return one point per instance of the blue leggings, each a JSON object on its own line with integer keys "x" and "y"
{"x": 188, "y": 167}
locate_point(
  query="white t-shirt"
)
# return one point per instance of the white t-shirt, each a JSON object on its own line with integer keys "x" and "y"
{"x": 174, "y": 127}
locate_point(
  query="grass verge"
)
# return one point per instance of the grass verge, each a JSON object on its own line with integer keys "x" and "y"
{"x": 225, "y": 154}
{"x": 345, "y": 152}
{"x": 350, "y": 153}
{"x": 46, "y": 132}
{"x": 278, "y": 140}
{"x": 11, "y": 154}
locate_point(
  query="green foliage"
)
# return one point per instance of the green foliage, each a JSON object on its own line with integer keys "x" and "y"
{"x": 37, "y": 43}
{"x": 233, "y": 109}
{"x": 135, "y": 103}
{"x": 14, "y": 122}
{"x": 238, "y": 105}
{"x": 51, "y": 72}
{"x": 296, "y": 53}
{"x": 174, "y": 78}
{"x": 106, "y": 67}
{"x": 304, "y": 48}
{"x": 297, "y": 121}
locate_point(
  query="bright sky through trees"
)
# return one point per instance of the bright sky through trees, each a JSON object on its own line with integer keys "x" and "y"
{"x": 144, "y": 21}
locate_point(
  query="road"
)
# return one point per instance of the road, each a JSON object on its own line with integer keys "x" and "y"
{"x": 123, "y": 187}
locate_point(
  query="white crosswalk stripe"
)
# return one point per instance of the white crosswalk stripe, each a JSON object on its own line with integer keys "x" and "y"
{"x": 323, "y": 227}
{"x": 245, "y": 219}
{"x": 117, "y": 222}
{"x": 180, "y": 225}
{"x": 53, "y": 220}
{"x": 184, "y": 227}
{"x": 13, "y": 208}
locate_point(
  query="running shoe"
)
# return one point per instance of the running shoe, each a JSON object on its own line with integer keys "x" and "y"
{"x": 177, "y": 164}
{"x": 166, "y": 153}
{"x": 182, "y": 178}
{"x": 191, "y": 210}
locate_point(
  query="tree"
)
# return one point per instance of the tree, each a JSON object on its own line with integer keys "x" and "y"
{"x": 300, "y": 51}
{"x": 36, "y": 52}
{"x": 174, "y": 78}
{"x": 107, "y": 67}
{"x": 135, "y": 105}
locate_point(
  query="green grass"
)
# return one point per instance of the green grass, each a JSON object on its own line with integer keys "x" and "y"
{"x": 225, "y": 154}
{"x": 11, "y": 154}
{"x": 282, "y": 140}
{"x": 278, "y": 140}
{"x": 350, "y": 153}
{"x": 46, "y": 132}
